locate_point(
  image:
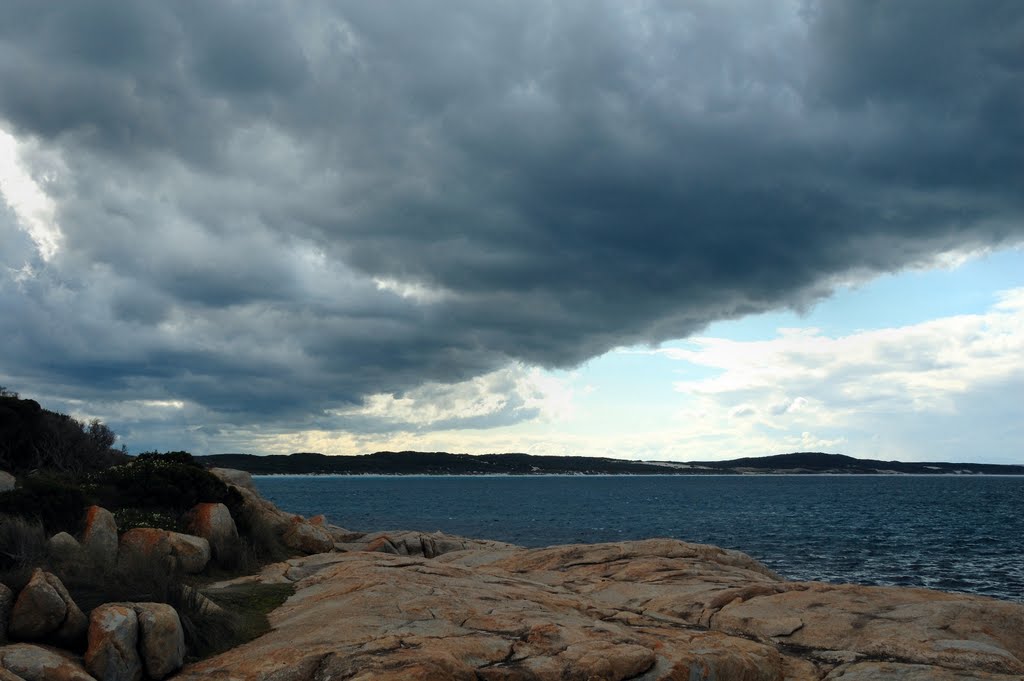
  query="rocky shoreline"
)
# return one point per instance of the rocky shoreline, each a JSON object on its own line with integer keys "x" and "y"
{"x": 407, "y": 605}
{"x": 417, "y": 606}
{"x": 656, "y": 609}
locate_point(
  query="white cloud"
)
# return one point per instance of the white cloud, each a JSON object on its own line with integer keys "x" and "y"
{"x": 872, "y": 392}
{"x": 509, "y": 395}
{"x": 35, "y": 210}
{"x": 420, "y": 293}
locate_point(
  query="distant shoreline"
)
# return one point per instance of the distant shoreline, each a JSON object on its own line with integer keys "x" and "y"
{"x": 518, "y": 464}
{"x": 637, "y": 475}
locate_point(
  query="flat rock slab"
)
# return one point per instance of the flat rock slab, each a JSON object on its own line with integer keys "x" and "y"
{"x": 889, "y": 671}
{"x": 28, "y": 662}
{"x": 657, "y": 609}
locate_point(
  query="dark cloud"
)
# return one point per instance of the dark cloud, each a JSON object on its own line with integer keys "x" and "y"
{"x": 244, "y": 187}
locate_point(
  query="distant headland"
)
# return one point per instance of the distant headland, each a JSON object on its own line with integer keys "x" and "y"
{"x": 444, "y": 463}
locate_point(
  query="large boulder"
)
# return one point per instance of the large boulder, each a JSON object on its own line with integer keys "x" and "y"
{"x": 145, "y": 544}
{"x": 64, "y": 549}
{"x": 307, "y": 537}
{"x": 44, "y": 609}
{"x": 7, "y": 481}
{"x": 177, "y": 550}
{"x": 213, "y": 522}
{"x": 36, "y": 663}
{"x": 99, "y": 538}
{"x": 112, "y": 654}
{"x": 257, "y": 512}
{"x": 161, "y": 639}
{"x": 235, "y": 478}
{"x": 75, "y": 623}
{"x": 191, "y": 553}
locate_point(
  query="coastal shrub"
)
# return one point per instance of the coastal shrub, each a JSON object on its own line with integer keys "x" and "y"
{"x": 130, "y": 518}
{"x": 184, "y": 458}
{"x": 57, "y": 503}
{"x": 163, "y": 482}
{"x": 33, "y": 438}
{"x": 22, "y": 547}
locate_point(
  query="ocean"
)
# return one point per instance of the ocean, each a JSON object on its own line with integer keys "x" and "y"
{"x": 943, "y": 532}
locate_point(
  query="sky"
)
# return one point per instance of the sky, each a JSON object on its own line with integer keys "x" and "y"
{"x": 650, "y": 230}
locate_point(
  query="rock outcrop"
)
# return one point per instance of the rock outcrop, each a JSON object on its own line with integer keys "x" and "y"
{"x": 27, "y": 662}
{"x": 44, "y": 609}
{"x": 7, "y": 481}
{"x": 145, "y": 544}
{"x": 161, "y": 642}
{"x": 99, "y": 538}
{"x": 192, "y": 553}
{"x": 421, "y": 544}
{"x": 235, "y": 478}
{"x": 63, "y": 548}
{"x": 304, "y": 536}
{"x": 656, "y": 609}
{"x": 181, "y": 551}
{"x": 134, "y": 641}
{"x": 113, "y": 653}
{"x": 293, "y": 531}
{"x": 213, "y": 522}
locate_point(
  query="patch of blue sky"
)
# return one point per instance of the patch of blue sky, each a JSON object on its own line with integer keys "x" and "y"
{"x": 636, "y": 379}
{"x": 892, "y": 300}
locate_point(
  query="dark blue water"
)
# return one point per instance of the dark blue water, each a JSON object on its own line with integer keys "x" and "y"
{"x": 949, "y": 533}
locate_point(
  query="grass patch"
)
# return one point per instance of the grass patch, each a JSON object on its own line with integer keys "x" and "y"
{"x": 22, "y": 547}
{"x": 243, "y": 616}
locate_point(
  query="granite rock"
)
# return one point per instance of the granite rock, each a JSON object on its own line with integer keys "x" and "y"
{"x": 40, "y": 663}
{"x": 63, "y": 548}
{"x": 145, "y": 544}
{"x": 213, "y": 522}
{"x": 161, "y": 639}
{"x": 191, "y": 553}
{"x": 181, "y": 551}
{"x": 99, "y": 537}
{"x": 307, "y": 537}
{"x": 235, "y": 478}
{"x": 651, "y": 610}
{"x": 44, "y": 609}
{"x": 113, "y": 654}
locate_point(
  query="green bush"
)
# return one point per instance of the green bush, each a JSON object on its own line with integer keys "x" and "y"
{"x": 184, "y": 458}
{"x": 33, "y": 438}
{"x": 130, "y": 518}
{"x": 162, "y": 482}
{"x": 58, "y": 504}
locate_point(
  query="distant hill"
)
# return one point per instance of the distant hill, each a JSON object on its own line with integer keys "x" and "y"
{"x": 818, "y": 462}
{"x": 443, "y": 463}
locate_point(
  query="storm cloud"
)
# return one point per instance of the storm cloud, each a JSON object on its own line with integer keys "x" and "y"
{"x": 268, "y": 212}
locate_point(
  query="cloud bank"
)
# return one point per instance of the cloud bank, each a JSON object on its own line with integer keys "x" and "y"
{"x": 258, "y": 215}
{"x": 943, "y": 390}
